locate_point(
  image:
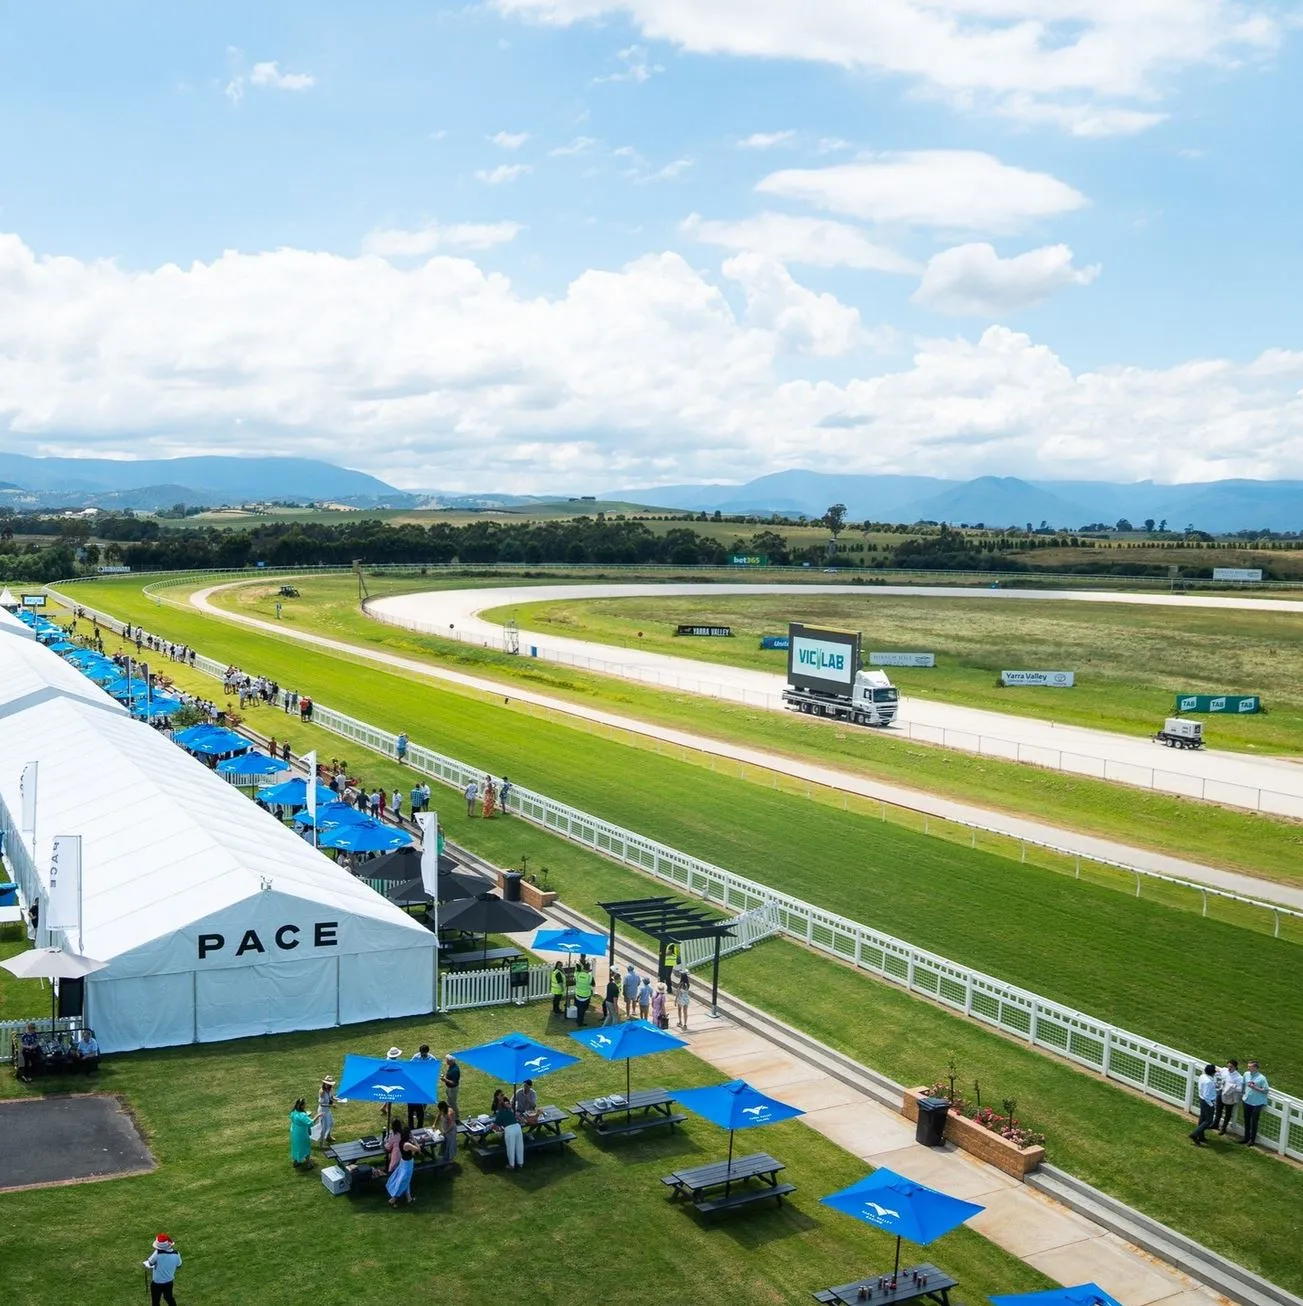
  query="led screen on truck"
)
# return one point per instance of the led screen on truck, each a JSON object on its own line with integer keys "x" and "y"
{"x": 824, "y": 660}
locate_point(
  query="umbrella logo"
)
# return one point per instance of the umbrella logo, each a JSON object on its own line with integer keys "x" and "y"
{"x": 602, "y": 1041}
{"x": 538, "y": 1064}
{"x": 879, "y": 1212}
{"x": 388, "y": 1089}
{"x": 759, "y": 1112}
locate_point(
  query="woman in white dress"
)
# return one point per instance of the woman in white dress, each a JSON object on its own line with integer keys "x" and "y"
{"x": 325, "y": 1127}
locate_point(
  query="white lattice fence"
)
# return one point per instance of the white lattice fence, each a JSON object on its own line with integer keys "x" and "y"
{"x": 462, "y": 989}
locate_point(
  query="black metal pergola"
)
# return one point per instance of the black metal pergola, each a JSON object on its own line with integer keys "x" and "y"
{"x": 669, "y": 920}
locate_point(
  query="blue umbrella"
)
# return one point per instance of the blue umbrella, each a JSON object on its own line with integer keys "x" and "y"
{"x": 736, "y": 1105}
{"x": 633, "y": 1038}
{"x": 889, "y": 1201}
{"x": 252, "y": 764}
{"x": 1084, "y": 1294}
{"x": 156, "y": 706}
{"x": 337, "y": 813}
{"x": 514, "y": 1058}
{"x": 218, "y": 742}
{"x": 63, "y": 646}
{"x": 377, "y": 1079}
{"x": 370, "y": 838}
{"x": 293, "y": 793}
{"x": 570, "y": 940}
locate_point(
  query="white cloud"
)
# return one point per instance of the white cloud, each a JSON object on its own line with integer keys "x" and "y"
{"x": 1086, "y": 120}
{"x": 509, "y": 140}
{"x": 580, "y": 145}
{"x": 816, "y": 242}
{"x": 447, "y": 375}
{"x": 832, "y": 145}
{"x": 802, "y": 320}
{"x": 503, "y": 173}
{"x": 393, "y": 242}
{"x": 973, "y": 280}
{"x": 637, "y": 67}
{"x": 953, "y": 189}
{"x": 269, "y": 74}
{"x": 766, "y": 140}
{"x": 1109, "y": 54}
{"x": 670, "y": 172}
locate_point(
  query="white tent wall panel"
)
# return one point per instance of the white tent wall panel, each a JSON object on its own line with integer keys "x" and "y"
{"x": 386, "y": 986}
{"x": 277, "y": 997}
{"x": 154, "y": 1011}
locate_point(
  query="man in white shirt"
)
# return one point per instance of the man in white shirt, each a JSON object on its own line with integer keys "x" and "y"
{"x": 1230, "y": 1089}
{"x": 416, "y": 1110}
{"x": 1207, "y": 1096}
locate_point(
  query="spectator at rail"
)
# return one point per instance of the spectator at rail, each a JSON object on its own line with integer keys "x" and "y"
{"x": 471, "y": 793}
{"x": 1207, "y": 1095}
{"x": 1230, "y": 1091}
{"x": 400, "y": 748}
{"x": 1256, "y": 1091}
{"x": 504, "y": 792}
{"x": 611, "y": 1001}
{"x": 490, "y": 797}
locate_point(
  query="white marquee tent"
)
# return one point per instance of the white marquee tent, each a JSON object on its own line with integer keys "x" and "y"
{"x": 216, "y": 920}
{"x": 10, "y": 625}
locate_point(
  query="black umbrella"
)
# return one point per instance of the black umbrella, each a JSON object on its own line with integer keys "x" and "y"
{"x": 401, "y": 864}
{"x": 489, "y": 914}
{"x": 452, "y": 888}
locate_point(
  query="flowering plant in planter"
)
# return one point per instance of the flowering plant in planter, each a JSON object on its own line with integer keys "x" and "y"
{"x": 944, "y": 1089}
{"x": 1007, "y": 1126}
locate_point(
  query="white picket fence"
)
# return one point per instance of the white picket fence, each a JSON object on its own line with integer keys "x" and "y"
{"x": 1140, "y": 1063}
{"x": 44, "y": 1025}
{"x": 462, "y": 989}
{"x": 748, "y": 929}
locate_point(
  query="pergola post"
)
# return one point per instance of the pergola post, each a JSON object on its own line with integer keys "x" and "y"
{"x": 610, "y": 949}
{"x": 714, "y": 979}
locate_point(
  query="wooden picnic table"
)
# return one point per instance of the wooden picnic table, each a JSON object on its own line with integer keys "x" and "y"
{"x": 428, "y": 1140}
{"x": 915, "y": 1283}
{"x": 698, "y": 1182}
{"x": 544, "y": 1130}
{"x": 648, "y": 1108}
{"x": 461, "y": 960}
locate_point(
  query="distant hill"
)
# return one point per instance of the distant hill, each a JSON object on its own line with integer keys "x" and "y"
{"x": 1214, "y": 506}
{"x": 161, "y": 482}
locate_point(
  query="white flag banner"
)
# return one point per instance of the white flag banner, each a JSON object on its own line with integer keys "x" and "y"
{"x": 430, "y": 853}
{"x": 310, "y": 761}
{"x": 28, "y": 787}
{"x": 63, "y": 907}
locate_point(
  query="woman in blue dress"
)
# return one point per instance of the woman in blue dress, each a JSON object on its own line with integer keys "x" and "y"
{"x": 301, "y": 1136}
{"x": 401, "y": 1150}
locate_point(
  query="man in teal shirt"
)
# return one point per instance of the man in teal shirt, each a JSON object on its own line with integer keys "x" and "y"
{"x": 1255, "y": 1098}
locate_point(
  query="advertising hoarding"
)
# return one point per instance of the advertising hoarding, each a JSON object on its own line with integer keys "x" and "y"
{"x": 1050, "y": 679}
{"x": 1237, "y": 573}
{"x": 824, "y": 660}
{"x": 775, "y": 641}
{"x": 1218, "y": 703}
{"x": 708, "y": 632}
{"x": 902, "y": 659}
{"x": 748, "y": 560}
{"x": 33, "y": 600}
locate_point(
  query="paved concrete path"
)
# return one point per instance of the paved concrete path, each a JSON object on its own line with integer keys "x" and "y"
{"x": 1058, "y": 1242}
{"x": 1242, "y": 780}
{"x": 1015, "y": 826}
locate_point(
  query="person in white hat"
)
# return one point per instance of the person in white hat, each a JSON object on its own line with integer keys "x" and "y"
{"x": 324, "y": 1129}
{"x": 162, "y": 1264}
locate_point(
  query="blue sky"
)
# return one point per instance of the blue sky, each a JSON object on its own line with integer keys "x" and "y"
{"x": 577, "y": 244}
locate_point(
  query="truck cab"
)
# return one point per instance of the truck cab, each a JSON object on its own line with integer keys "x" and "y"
{"x": 875, "y": 697}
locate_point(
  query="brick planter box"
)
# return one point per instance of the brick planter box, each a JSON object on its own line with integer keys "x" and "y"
{"x": 971, "y": 1137}
{"x": 530, "y": 894}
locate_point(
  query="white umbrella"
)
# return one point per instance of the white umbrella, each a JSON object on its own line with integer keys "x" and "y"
{"x": 51, "y": 964}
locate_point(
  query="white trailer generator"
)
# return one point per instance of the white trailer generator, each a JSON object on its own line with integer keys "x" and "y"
{"x": 1177, "y": 732}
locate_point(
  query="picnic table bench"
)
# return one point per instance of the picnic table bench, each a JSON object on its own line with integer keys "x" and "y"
{"x": 429, "y": 1161}
{"x": 459, "y": 959}
{"x": 700, "y": 1181}
{"x": 915, "y": 1283}
{"x": 544, "y": 1131}
{"x": 615, "y": 1116}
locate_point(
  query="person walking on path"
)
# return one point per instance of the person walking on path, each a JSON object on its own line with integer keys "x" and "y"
{"x": 396, "y": 805}
{"x": 1230, "y": 1089}
{"x": 611, "y": 1003}
{"x": 644, "y": 997}
{"x": 630, "y": 991}
{"x": 451, "y": 1079}
{"x": 490, "y": 797}
{"x": 378, "y": 803}
{"x": 416, "y": 1110}
{"x": 659, "y": 1018}
{"x": 558, "y": 982}
{"x": 162, "y": 1264}
{"x": 300, "y": 1136}
{"x": 471, "y": 793}
{"x": 401, "y": 1151}
{"x": 1207, "y": 1089}
{"x": 682, "y": 999}
{"x": 583, "y": 991}
{"x": 325, "y": 1126}
{"x": 1256, "y": 1091}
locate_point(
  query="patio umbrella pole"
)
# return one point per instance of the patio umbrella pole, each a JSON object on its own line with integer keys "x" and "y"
{"x": 628, "y": 1080}
{"x": 728, "y": 1173}
{"x": 896, "y": 1271}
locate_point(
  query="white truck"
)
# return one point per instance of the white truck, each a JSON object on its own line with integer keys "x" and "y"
{"x": 824, "y": 679}
{"x": 1178, "y": 732}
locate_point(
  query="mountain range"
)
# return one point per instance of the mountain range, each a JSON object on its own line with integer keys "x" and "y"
{"x": 1214, "y": 506}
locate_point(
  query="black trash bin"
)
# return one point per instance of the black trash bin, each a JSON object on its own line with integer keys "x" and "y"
{"x": 931, "y": 1130}
{"x": 511, "y": 886}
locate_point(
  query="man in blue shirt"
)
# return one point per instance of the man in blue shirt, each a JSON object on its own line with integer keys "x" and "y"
{"x": 162, "y": 1264}
{"x": 1207, "y": 1091}
{"x": 1255, "y": 1098}
{"x": 86, "y": 1055}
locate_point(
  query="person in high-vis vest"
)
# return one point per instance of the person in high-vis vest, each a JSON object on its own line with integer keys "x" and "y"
{"x": 558, "y": 988}
{"x": 671, "y": 961}
{"x": 583, "y": 991}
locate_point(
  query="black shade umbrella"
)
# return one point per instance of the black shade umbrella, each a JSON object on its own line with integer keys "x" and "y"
{"x": 489, "y": 914}
{"x": 452, "y": 888}
{"x": 403, "y": 864}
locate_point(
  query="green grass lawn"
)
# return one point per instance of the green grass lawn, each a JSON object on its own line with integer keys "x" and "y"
{"x": 1116, "y": 958}
{"x": 1204, "y": 832}
{"x": 250, "y": 1228}
{"x": 1130, "y": 660}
